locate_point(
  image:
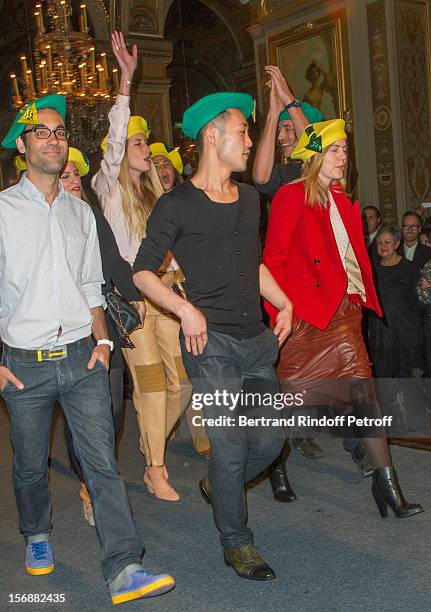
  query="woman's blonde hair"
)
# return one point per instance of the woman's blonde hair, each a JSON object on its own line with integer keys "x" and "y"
{"x": 316, "y": 194}
{"x": 84, "y": 196}
{"x": 138, "y": 206}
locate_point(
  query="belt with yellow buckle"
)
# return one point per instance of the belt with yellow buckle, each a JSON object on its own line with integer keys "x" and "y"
{"x": 54, "y": 354}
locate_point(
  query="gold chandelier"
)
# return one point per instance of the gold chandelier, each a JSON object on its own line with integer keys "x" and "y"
{"x": 63, "y": 61}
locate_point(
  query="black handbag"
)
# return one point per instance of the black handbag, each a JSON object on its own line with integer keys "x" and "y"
{"x": 124, "y": 316}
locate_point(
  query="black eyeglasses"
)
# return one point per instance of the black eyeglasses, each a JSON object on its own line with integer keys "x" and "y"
{"x": 410, "y": 226}
{"x": 43, "y": 133}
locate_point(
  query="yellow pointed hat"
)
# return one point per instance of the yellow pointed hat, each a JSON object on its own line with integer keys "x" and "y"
{"x": 19, "y": 163}
{"x": 158, "y": 148}
{"x": 136, "y": 124}
{"x": 80, "y": 160}
{"x": 318, "y": 136}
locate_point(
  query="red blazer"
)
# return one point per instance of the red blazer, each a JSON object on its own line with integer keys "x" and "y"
{"x": 302, "y": 255}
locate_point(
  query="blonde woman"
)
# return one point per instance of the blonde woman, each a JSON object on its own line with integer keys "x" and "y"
{"x": 316, "y": 252}
{"x": 128, "y": 187}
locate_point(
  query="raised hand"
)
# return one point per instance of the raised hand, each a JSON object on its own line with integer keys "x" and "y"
{"x": 280, "y": 84}
{"x": 127, "y": 61}
{"x": 275, "y": 104}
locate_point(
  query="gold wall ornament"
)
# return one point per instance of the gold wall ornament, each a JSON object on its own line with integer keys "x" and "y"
{"x": 382, "y": 113}
{"x": 412, "y": 20}
{"x": 347, "y": 116}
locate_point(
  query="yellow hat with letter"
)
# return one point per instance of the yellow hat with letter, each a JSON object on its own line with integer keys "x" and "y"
{"x": 318, "y": 136}
{"x": 158, "y": 148}
{"x": 136, "y": 125}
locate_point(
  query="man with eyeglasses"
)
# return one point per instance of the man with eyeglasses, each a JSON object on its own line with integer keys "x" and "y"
{"x": 411, "y": 248}
{"x": 51, "y": 304}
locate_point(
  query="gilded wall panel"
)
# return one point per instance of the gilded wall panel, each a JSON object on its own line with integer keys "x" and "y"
{"x": 382, "y": 113}
{"x": 413, "y": 46}
{"x": 153, "y": 106}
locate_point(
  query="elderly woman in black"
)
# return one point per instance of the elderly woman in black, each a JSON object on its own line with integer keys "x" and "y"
{"x": 396, "y": 341}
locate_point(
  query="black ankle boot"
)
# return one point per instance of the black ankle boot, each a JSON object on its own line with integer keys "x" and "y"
{"x": 387, "y": 492}
{"x": 278, "y": 478}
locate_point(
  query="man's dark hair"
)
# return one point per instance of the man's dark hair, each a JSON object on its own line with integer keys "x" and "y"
{"x": 219, "y": 122}
{"x": 371, "y": 207}
{"x": 412, "y": 213}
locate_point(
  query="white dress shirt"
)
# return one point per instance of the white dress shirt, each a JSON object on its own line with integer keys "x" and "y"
{"x": 50, "y": 268}
{"x": 410, "y": 251}
{"x": 371, "y": 237}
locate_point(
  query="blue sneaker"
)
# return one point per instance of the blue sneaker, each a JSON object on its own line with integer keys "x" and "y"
{"x": 38, "y": 558}
{"x": 141, "y": 584}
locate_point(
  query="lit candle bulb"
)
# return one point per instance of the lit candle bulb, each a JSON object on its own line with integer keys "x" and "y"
{"x": 15, "y": 86}
{"x": 24, "y": 66}
{"x": 115, "y": 79}
{"x": 92, "y": 60}
{"x": 60, "y": 66}
{"x": 104, "y": 63}
{"x": 83, "y": 74}
{"x": 38, "y": 22}
{"x": 44, "y": 76}
{"x": 83, "y": 16}
{"x": 102, "y": 81}
{"x": 49, "y": 58}
{"x": 64, "y": 7}
{"x": 30, "y": 82}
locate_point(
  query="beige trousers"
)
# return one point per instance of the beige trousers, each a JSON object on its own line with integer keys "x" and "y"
{"x": 161, "y": 388}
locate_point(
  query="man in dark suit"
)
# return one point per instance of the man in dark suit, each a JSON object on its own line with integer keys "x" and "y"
{"x": 411, "y": 248}
{"x": 371, "y": 224}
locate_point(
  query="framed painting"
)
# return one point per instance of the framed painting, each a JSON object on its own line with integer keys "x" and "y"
{"x": 314, "y": 59}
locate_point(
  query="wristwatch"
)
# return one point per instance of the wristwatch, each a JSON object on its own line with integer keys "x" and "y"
{"x": 294, "y": 104}
{"x": 106, "y": 341}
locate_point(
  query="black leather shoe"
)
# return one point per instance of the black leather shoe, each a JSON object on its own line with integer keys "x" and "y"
{"x": 247, "y": 563}
{"x": 387, "y": 492}
{"x": 308, "y": 447}
{"x": 279, "y": 482}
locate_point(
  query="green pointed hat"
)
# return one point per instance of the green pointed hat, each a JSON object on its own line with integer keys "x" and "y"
{"x": 28, "y": 115}
{"x": 205, "y": 109}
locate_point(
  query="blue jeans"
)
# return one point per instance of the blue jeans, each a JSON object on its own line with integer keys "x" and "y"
{"x": 238, "y": 454}
{"x": 86, "y": 403}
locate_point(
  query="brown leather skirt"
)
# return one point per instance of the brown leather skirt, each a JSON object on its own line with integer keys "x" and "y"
{"x": 330, "y": 365}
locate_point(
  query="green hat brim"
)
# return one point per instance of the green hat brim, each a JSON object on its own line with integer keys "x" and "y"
{"x": 53, "y": 101}
{"x": 313, "y": 114}
{"x": 205, "y": 109}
